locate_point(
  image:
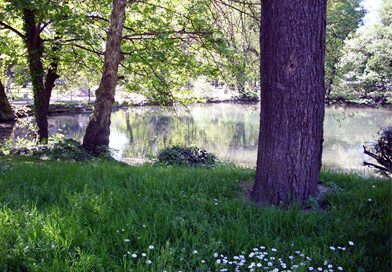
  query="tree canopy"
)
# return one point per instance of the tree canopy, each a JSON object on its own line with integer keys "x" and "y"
{"x": 365, "y": 68}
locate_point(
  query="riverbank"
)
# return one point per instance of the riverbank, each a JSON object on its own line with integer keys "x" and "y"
{"x": 57, "y": 216}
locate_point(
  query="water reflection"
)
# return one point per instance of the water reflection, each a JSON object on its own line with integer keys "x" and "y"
{"x": 228, "y": 130}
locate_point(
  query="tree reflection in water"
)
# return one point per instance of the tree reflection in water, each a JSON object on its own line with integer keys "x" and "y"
{"x": 228, "y": 130}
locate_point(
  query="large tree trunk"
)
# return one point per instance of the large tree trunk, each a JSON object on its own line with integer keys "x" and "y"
{"x": 98, "y": 129}
{"x": 292, "y": 100}
{"x": 42, "y": 90}
{"x": 6, "y": 112}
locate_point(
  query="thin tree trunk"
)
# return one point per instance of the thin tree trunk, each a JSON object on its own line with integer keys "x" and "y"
{"x": 10, "y": 76}
{"x": 6, "y": 112}
{"x": 292, "y": 100}
{"x": 331, "y": 79}
{"x": 98, "y": 129}
{"x": 42, "y": 90}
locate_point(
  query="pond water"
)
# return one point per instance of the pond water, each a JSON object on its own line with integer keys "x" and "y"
{"x": 228, "y": 130}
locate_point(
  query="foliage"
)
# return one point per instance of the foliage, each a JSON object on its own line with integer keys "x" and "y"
{"x": 166, "y": 43}
{"x": 382, "y": 153}
{"x": 239, "y": 22}
{"x": 365, "y": 67}
{"x": 59, "y": 216}
{"x": 186, "y": 156}
{"x": 344, "y": 17}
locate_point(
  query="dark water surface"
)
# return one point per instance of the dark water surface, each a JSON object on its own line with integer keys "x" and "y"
{"x": 228, "y": 130}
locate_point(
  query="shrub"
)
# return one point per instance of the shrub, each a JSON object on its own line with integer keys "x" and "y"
{"x": 381, "y": 152}
{"x": 186, "y": 156}
{"x": 66, "y": 150}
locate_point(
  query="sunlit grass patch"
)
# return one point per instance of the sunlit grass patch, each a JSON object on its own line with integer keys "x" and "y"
{"x": 109, "y": 217}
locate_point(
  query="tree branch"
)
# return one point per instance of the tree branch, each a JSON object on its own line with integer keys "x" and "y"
{"x": 17, "y": 32}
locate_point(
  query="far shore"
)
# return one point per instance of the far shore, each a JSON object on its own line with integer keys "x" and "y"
{"x": 67, "y": 107}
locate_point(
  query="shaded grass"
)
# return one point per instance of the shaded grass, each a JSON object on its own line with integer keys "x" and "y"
{"x": 93, "y": 216}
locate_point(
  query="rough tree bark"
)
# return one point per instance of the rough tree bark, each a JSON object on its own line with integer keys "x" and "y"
{"x": 42, "y": 89}
{"x": 292, "y": 100}
{"x": 98, "y": 129}
{"x": 6, "y": 112}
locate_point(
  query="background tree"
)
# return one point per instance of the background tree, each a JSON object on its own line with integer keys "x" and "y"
{"x": 164, "y": 45}
{"x": 240, "y": 23}
{"x": 292, "y": 100}
{"x": 45, "y": 29}
{"x": 344, "y": 17}
{"x": 6, "y": 112}
{"x": 365, "y": 68}
{"x": 98, "y": 129}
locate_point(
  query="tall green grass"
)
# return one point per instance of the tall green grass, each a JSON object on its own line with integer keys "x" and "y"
{"x": 93, "y": 217}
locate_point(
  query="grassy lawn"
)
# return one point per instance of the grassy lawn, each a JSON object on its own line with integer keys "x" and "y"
{"x": 109, "y": 217}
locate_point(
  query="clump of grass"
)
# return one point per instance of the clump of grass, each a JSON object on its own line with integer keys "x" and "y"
{"x": 104, "y": 216}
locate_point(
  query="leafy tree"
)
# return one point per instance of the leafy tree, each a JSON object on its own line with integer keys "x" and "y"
{"x": 240, "y": 23}
{"x": 292, "y": 100}
{"x": 98, "y": 129}
{"x": 344, "y": 17}
{"x": 49, "y": 31}
{"x": 164, "y": 44}
{"x": 8, "y": 58}
{"x": 365, "y": 68}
